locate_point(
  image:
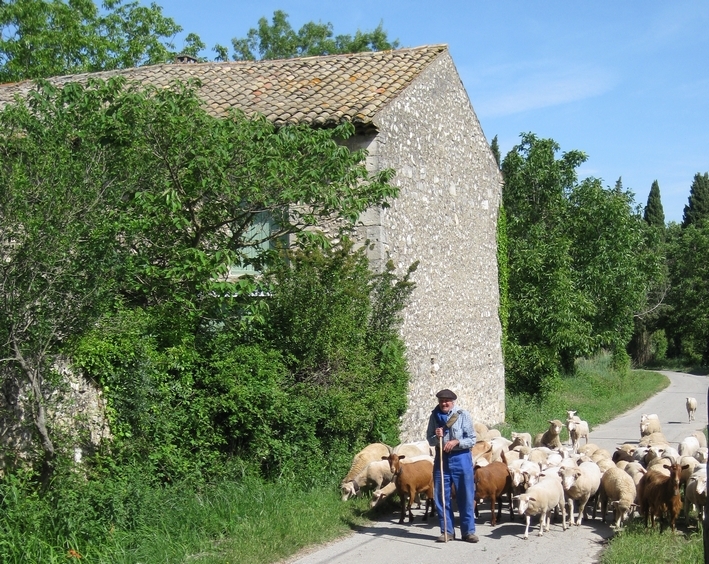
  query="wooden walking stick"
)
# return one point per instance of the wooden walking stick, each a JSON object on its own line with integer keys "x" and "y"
{"x": 443, "y": 492}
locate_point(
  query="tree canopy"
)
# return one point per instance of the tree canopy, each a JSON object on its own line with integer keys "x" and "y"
{"x": 654, "y": 214}
{"x": 698, "y": 206}
{"x": 577, "y": 269}
{"x": 43, "y": 38}
{"x": 278, "y": 40}
{"x": 113, "y": 194}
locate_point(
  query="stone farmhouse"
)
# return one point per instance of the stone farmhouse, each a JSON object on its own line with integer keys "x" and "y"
{"x": 412, "y": 114}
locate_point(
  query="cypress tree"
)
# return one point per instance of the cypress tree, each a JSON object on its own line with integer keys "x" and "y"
{"x": 698, "y": 206}
{"x": 495, "y": 148}
{"x": 654, "y": 214}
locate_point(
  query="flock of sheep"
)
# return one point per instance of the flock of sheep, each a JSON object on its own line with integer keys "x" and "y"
{"x": 542, "y": 476}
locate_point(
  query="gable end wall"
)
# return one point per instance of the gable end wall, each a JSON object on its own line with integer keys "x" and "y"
{"x": 445, "y": 217}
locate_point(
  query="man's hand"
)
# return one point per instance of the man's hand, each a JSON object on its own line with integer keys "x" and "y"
{"x": 450, "y": 445}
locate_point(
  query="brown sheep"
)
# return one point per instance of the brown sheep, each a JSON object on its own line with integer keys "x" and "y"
{"x": 492, "y": 481}
{"x": 411, "y": 479}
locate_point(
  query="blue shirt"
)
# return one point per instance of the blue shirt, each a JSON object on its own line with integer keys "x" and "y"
{"x": 462, "y": 429}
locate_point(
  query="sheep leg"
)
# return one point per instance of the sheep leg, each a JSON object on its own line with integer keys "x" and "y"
{"x": 542, "y": 521}
{"x": 570, "y": 503}
{"x": 563, "y": 514}
{"x": 526, "y": 529}
{"x": 582, "y": 510}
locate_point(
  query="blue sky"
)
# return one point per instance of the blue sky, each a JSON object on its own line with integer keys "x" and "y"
{"x": 625, "y": 82}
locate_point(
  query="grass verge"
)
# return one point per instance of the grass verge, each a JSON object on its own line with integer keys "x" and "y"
{"x": 637, "y": 545}
{"x": 596, "y": 393}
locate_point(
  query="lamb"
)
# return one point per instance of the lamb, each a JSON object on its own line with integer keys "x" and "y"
{"x": 658, "y": 493}
{"x": 541, "y": 499}
{"x": 492, "y": 481}
{"x": 619, "y": 488}
{"x": 550, "y": 438}
{"x": 374, "y": 475}
{"x": 577, "y": 430}
{"x": 368, "y": 454}
{"x": 411, "y": 479}
{"x": 580, "y": 484}
{"x": 691, "y": 405}
{"x": 696, "y": 493}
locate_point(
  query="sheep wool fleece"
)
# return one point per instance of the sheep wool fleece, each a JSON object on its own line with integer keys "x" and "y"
{"x": 457, "y": 468}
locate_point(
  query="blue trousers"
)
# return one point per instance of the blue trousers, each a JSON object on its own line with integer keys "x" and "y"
{"x": 457, "y": 470}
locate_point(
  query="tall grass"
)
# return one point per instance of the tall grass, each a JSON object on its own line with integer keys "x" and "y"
{"x": 245, "y": 521}
{"x": 595, "y": 391}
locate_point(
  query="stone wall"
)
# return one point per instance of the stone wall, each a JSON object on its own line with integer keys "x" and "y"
{"x": 445, "y": 217}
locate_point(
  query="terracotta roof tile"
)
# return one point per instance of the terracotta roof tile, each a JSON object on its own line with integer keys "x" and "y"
{"x": 320, "y": 90}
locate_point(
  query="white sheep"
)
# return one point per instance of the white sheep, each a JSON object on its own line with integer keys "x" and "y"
{"x": 691, "y": 405}
{"x": 619, "y": 488}
{"x": 691, "y": 465}
{"x": 696, "y": 493}
{"x": 540, "y": 499}
{"x": 635, "y": 470}
{"x": 653, "y": 439}
{"x": 701, "y": 437}
{"x": 702, "y": 455}
{"x": 588, "y": 449}
{"x": 374, "y": 475}
{"x": 368, "y": 454}
{"x": 418, "y": 448}
{"x": 689, "y": 446}
{"x": 577, "y": 430}
{"x": 580, "y": 483}
{"x": 649, "y": 424}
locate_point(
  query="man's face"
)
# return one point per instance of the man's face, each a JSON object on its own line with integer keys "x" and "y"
{"x": 445, "y": 404}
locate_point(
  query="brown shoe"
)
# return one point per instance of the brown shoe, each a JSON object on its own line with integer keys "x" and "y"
{"x": 472, "y": 537}
{"x": 442, "y": 538}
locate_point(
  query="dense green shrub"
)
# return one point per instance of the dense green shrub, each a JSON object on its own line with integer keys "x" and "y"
{"x": 297, "y": 392}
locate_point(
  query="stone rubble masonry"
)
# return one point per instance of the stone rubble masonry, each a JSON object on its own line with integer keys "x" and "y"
{"x": 446, "y": 218}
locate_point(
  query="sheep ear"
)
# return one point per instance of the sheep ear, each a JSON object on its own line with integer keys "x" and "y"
{"x": 532, "y": 499}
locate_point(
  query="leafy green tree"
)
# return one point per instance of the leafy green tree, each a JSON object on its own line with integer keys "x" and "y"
{"x": 613, "y": 262}
{"x": 278, "y": 40}
{"x": 654, "y": 214}
{"x": 109, "y": 193}
{"x": 698, "y": 206}
{"x": 43, "y": 38}
{"x": 547, "y": 326}
{"x": 688, "y": 320}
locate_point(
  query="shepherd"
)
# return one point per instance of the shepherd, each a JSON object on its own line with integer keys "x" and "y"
{"x": 452, "y": 429}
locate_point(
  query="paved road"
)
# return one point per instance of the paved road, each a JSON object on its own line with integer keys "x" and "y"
{"x": 387, "y": 542}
